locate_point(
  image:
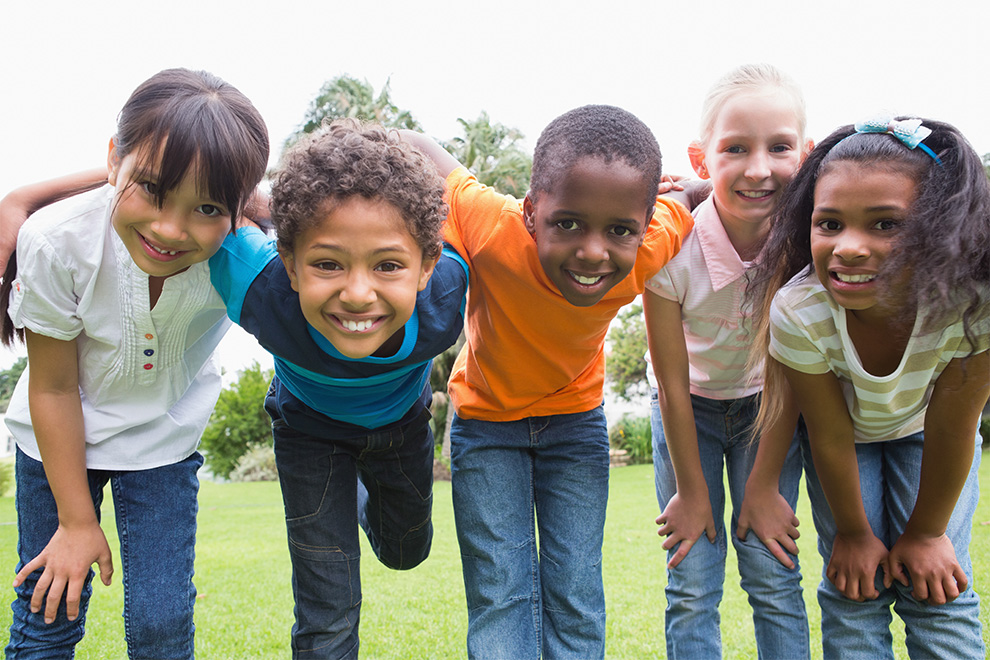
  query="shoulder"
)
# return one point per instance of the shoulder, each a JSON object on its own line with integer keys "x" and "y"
{"x": 70, "y": 225}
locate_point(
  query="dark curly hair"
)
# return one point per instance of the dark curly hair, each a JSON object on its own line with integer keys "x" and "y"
{"x": 601, "y": 131}
{"x": 347, "y": 158}
{"x": 947, "y": 230}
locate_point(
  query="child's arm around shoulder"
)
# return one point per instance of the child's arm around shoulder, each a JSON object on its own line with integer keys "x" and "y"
{"x": 923, "y": 552}
{"x": 688, "y": 514}
{"x": 431, "y": 149}
{"x": 18, "y": 204}
{"x": 79, "y": 542}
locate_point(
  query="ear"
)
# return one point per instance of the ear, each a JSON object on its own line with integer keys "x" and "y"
{"x": 289, "y": 261}
{"x": 529, "y": 215}
{"x": 697, "y": 157}
{"x": 646, "y": 227}
{"x": 809, "y": 146}
{"x": 113, "y": 163}
{"x": 429, "y": 263}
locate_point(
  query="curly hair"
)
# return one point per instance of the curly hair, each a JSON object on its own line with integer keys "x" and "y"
{"x": 347, "y": 158}
{"x": 601, "y": 131}
{"x": 947, "y": 231}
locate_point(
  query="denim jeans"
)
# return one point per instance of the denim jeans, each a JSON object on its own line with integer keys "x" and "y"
{"x": 889, "y": 474}
{"x": 382, "y": 480}
{"x": 156, "y": 523}
{"x": 514, "y": 482}
{"x": 694, "y": 587}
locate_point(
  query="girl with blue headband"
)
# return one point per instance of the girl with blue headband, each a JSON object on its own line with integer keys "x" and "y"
{"x": 873, "y": 293}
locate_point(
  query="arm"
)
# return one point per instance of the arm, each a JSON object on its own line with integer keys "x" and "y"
{"x": 764, "y": 509}
{"x": 444, "y": 161}
{"x": 856, "y": 551}
{"x": 923, "y": 551}
{"x": 56, "y": 413}
{"x": 18, "y": 204}
{"x": 688, "y": 514}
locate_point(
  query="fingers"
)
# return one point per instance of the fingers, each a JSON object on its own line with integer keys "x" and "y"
{"x": 54, "y": 598}
{"x": 29, "y": 568}
{"x": 106, "y": 569}
{"x": 680, "y": 554}
{"x": 777, "y": 551}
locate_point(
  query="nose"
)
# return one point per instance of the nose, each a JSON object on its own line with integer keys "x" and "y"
{"x": 758, "y": 166}
{"x": 170, "y": 225}
{"x": 358, "y": 290}
{"x": 593, "y": 249}
{"x": 851, "y": 246}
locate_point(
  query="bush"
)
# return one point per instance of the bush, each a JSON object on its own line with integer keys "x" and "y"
{"x": 985, "y": 431}
{"x": 239, "y": 422}
{"x": 6, "y": 477}
{"x": 633, "y": 434}
{"x": 258, "y": 464}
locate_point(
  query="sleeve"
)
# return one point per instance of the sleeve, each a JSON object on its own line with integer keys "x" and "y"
{"x": 474, "y": 212}
{"x": 790, "y": 342}
{"x": 662, "y": 285}
{"x": 43, "y": 297}
{"x": 669, "y": 227}
{"x": 236, "y": 265}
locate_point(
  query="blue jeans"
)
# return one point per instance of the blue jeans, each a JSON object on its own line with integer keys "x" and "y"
{"x": 889, "y": 474}
{"x": 694, "y": 587}
{"x": 382, "y": 480}
{"x": 514, "y": 482}
{"x": 156, "y": 523}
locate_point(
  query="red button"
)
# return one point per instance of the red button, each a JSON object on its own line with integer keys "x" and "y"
{"x": 149, "y": 336}
{"x": 149, "y": 366}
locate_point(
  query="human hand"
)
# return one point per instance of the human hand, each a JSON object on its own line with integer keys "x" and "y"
{"x": 930, "y": 563}
{"x": 684, "y": 521}
{"x": 767, "y": 513}
{"x": 670, "y": 182}
{"x": 852, "y": 568}
{"x": 67, "y": 559}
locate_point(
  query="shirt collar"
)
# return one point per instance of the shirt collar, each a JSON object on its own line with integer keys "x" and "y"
{"x": 723, "y": 263}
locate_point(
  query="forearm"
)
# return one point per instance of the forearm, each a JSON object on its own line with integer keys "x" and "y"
{"x": 444, "y": 161}
{"x": 774, "y": 445}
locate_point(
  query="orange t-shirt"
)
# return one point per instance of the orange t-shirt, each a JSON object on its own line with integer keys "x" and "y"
{"x": 529, "y": 352}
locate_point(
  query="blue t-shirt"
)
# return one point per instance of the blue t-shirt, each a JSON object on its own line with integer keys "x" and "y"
{"x": 370, "y": 392}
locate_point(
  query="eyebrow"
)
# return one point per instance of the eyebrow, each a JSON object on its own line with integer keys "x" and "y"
{"x": 340, "y": 248}
{"x": 869, "y": 209}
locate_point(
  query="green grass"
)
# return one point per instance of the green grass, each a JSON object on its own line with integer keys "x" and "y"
{"x": 244, "y": 609}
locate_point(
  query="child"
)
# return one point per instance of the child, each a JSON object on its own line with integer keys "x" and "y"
{"x": 883, "y": 340}
{"x": 752, "y": 142}
{"x": 354, "y": 306}
{"x": 529, "y": 435}
{"x": 121, "y": 322}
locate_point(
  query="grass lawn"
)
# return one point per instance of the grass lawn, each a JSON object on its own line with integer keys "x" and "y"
{"x": 244, "y": 609}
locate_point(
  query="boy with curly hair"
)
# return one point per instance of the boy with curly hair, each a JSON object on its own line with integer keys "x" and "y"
{"x": 353, "y": 301}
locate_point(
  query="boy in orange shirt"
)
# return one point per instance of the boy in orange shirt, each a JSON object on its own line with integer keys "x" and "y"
{"x": 548, "y": 274}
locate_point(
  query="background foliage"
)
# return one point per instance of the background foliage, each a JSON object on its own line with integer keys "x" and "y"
{"x": 239, "y": 422}
{"x": 625, "y": 367}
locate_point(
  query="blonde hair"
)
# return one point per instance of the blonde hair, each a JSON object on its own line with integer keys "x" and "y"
{"x": 748, "y": 78}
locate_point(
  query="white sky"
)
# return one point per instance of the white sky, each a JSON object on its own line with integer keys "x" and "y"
{"x": 66, "y": 67}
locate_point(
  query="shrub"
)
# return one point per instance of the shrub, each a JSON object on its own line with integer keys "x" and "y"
{"x": 239, "y": 422}
{"x": 258, "y": 464}
{"x": 633, "y": 435}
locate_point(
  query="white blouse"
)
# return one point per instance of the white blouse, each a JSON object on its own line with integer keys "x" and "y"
{"x": 147, "y": 377}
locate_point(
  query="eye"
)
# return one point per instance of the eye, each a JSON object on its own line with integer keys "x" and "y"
{"x": 622, "y": 231}
{"x": 781, "y": 148}
{"x": 150, "y": 188}
{"x": 327, "y": 266}
{"x": 211, "y": 210}
{"x": 828, "y": 225}
{"x": 389, "y": 267}
{"x": 734, "y": 149}
{"x": 568, "y": 225}
{"x": 887, "y": 224}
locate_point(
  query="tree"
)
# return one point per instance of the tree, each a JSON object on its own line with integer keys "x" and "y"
{"x": 239, "y": 421}
{"x": 625, "y": 367}
{"x": 8, "y": 379}
{"x": 492, "y": 153}
{"x": 986, "y": 164}
{"x": 345, "y": 96}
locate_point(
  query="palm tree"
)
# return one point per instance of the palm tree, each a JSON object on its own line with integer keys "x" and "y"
{"x": 492, "y": 152}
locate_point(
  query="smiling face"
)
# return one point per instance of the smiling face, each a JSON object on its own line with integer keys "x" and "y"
{"x": 754, "y": 150}
{"x": 189, "y": 227}
{"x": 357, "y": 271}
{"x": 856, "y": 217}
{"x": 589, "y": 227}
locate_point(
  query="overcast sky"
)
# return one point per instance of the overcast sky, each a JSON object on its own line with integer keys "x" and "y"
{"x": 67, "y": 67}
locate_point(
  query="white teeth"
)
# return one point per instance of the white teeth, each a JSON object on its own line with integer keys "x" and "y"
{"x": 853, "y": 279}
{"x": 754, "y": 194}
{"x": 357, "y": 326}
{"x": 170, "y": 253}
{"x": 587, "y": 280}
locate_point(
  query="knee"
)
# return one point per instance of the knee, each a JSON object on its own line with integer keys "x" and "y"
{"x": 407, "y": 552}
